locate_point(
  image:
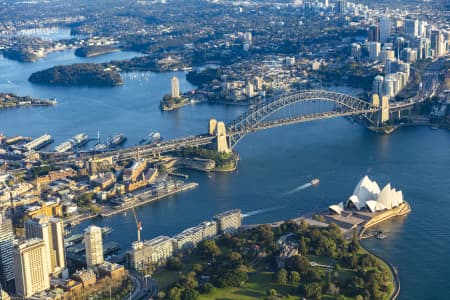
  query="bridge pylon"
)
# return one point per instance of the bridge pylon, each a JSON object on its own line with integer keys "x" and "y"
{"x": 218, "y": 129}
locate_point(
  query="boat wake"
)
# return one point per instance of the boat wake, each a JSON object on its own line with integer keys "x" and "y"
{"x": 299, "y": 188}
{"x": 261, "y": 211}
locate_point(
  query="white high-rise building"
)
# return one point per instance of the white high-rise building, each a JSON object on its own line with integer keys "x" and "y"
{"x": 51, "y": 231}
{"x": 94, "y": 246}
{"x": 248, "y": 37}
{"x": 422, "y": 30}
{"x": 249, "y": 90}
{"x": 374, "y": 50}
{"x": 31, "y": 267}
{"x": 175, "y": 84}
{"x": 377, "y": 86}
{"x": 6, "y": 246}
{"x": 385, "y": 29}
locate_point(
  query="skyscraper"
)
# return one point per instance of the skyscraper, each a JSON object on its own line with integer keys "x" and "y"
{"x": 437, "y": 42}
{"x": 94, "y": 246}
{"x": 31, "y": 267}
{"x": 6, "y": 246}
{"x": 374, "y": 50}
{"x": 411, "y": 28}
{"x": 51, "y": 231}
{"x": 373, "y": 33}
{"x": 340, "y": 7}
{"x": 175, "y": 87}
{"x": 385, "y": 29}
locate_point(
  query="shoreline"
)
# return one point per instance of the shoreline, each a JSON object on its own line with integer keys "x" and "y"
{"x": 114, "y": 211}
{"x": 396, "y": 279}
{"x": 361, "y": 229}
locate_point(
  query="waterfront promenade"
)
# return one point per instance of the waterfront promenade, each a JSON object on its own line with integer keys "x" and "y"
{"x": 143, "y": 198}
{"x": 139, "y": 199}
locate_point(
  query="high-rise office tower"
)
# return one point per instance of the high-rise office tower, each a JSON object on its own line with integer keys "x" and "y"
{"x": 94, "y": 246}
{"x": 437, "y": 42}
{"x": 6, "y": 246}
{"x": 385, "y": 29}
{"x": 31, "y": 267}
{"x": 51, "y": 231}
{"x": 175, "y": 87}
{"x": 373, "y": 33}
{"x": 411, "y": 28}
{"x": 340, "y": 7}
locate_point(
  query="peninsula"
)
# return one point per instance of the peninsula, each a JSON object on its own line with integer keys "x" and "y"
{"x": 90, "y": 51}
{"x": 9, "y": 100}
{"x": 78, "y": 74}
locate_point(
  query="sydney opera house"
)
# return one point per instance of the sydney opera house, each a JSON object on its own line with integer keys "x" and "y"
{"x": 368, "y": 196}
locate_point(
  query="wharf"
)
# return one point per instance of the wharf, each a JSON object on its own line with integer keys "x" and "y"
{"x": 113, "y": 211}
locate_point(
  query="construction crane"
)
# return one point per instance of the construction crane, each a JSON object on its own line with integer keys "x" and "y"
{"x": 138, "y": 225}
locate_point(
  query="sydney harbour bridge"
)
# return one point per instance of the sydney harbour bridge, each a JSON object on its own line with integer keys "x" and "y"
{"x": 287, "y": 109}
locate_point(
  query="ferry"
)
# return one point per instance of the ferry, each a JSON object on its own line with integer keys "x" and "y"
{"x": 100, "y": 147}
{"x": 153, "y": 137}
{"x": 80, "y": 139}
{"x": 106, "y": 230}
{"x": 76, "y": 141}
{"x": 64, "y": 147}
{"x": 315, "y": 181}
{"x": 117, "y": 140}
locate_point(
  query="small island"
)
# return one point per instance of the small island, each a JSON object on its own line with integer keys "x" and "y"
{"x": 171, "y": 103}
{"x": 90, "y": 51}
{"x": 78, "y": 74}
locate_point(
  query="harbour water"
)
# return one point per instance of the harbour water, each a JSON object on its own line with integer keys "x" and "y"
{"x": 273, "y": 162}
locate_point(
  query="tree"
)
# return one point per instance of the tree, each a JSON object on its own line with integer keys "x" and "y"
{"x": 206, "y": 288}
{"x": 281, "y": 276}
{"x": 161, "y": 295}
{"x": 175, "y": 293}
{"x": 303, "y": 248}
{"x": 313, "y": 290}
{"x": 294, "y": 277}
{"x": 197, "y": 268}
{"x": 174, "y": 263}
{"x": 190, "y": 294}
{"x": 189, "y": 281}
{"x": 263, "y": 234}
{"x": 233, "y": 278}
{"x": 209, "y": 249}
{"x": 298, "y": 263}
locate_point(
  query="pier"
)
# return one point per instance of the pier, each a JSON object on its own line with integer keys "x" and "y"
{"x": 136, "y": 203}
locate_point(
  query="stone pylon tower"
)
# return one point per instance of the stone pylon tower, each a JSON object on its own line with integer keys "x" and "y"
{"x": 219, "y": 130}
{"x": 385, "y": 111}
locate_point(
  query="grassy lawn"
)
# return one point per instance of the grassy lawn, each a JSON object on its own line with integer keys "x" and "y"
{"x": 322, "y": 260}
{"x": 255, "y": 288}
{"x": 165, "y": 278}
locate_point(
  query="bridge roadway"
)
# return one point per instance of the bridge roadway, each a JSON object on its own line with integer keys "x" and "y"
{"x": 133, "y": 152}
{"x": 359, "y": 108}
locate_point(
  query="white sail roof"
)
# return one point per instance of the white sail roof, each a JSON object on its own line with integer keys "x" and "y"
{"x": 337, "y": 208}
{"x": 366, "y": 190}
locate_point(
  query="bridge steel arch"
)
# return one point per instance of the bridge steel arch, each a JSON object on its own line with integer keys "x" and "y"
{"x": 255, "y": 116}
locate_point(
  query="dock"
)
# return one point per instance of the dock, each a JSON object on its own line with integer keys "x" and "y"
{"x": 179, "y": 175}
{"x": 136, "y": 203}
